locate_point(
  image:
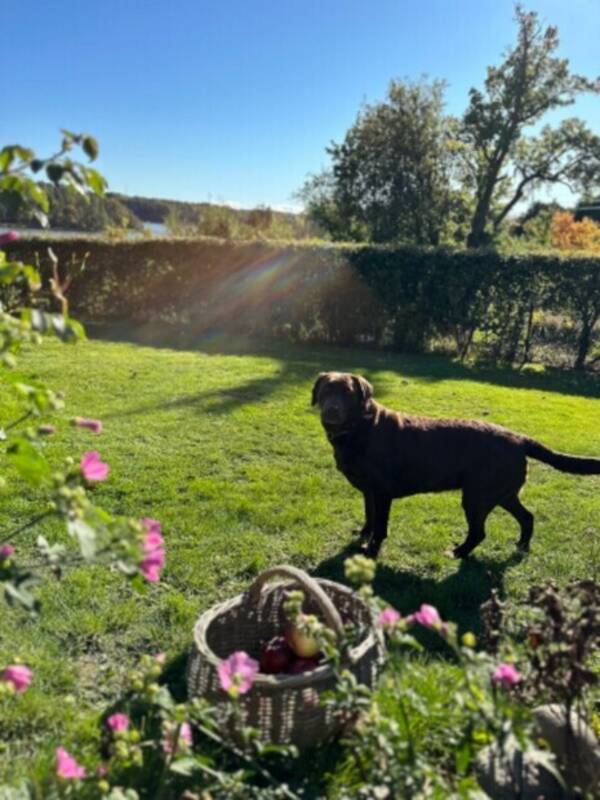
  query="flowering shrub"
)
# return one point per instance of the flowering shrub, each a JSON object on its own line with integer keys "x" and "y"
{"x": 135, "y": 547}
{"x": 411, "y": 737}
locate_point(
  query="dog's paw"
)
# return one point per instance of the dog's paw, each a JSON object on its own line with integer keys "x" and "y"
{"x": 370, "y": 550}
{"x": 459, "y": 552}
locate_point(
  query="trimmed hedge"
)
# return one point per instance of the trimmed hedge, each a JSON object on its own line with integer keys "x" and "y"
{"x": 505, "y": 306}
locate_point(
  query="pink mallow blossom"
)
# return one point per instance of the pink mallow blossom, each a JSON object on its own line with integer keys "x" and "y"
{"x": 118, "y": 723}
{"x": 428, "y": 617}
{"x": 94, "y": 425}
{"x": 185, "y": 737}
{"x": 154, "y": 552}
{"x": 19, "y": 675}
{"x": 6, "y": 551}
{"x": 388, "y": 617}
{"x": 506, "y": 675}
{"x": 93, "y": 469}
{"x": 67, "y": 767}
{"x": 236, "y": 673}
{"x": 8, "y": 237}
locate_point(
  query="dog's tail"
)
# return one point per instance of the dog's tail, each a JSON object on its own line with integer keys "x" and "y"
{"x": 562, "y": 461}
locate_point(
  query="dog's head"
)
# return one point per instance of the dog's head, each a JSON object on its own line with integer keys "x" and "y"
{"x": 342, "y": 398}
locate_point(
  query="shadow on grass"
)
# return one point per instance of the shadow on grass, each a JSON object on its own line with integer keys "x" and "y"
{"x": 302, "y": 361}
{"x": 457, "y": 596}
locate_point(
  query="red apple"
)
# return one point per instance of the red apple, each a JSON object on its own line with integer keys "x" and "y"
{"x": 302, "y": 645}
{"x": 275, "y": 656}
{"x": 299, "y": 665}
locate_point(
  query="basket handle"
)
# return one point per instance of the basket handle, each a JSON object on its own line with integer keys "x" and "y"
{"x": 310, "y": 585}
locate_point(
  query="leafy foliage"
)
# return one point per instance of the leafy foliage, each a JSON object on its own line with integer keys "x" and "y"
{"x": 390, "y": 176}
{"x": 97, "y": 535}
{"x": 568, "y": 234}
{"x": 486, "y": 303}
{"x": 501, "y": 164}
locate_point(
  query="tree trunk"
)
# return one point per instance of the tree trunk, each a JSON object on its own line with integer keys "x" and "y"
{"x": 583, "y": 344}
{"x": 477, "y": 235}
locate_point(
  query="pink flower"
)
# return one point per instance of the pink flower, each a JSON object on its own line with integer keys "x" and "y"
{"x": 506, "y": 675}
{"x": 236, "y": 673}
{"x": 388, "y": 617}
{"x": 94, "y": 425}
{"x": 184, "y": 741}
{"x": 101, "y": 770}
{"x": 160, "y": 657}
{"x": 118, "y": 722}
{"x": 6, "y": 551}
{"x": 8, "y": 237}
{"x": 93, "y": 469}
{"x": 46, "y": 430}
{"x": 427, "y": 616}
{"x": 66, "y": 766}
{"x": 154, "y": 552}
{"x": 19, "y": 675}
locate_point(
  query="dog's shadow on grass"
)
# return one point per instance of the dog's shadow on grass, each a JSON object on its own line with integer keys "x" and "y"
{"x": 458, "y": 596}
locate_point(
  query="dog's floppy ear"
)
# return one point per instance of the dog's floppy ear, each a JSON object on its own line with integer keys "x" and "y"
{"x": 322, "y": 378}
{"x": 363, "y": 387}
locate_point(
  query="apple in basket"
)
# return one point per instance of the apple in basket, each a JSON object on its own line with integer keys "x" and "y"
{"x": 275, "y": 656}
{"x": 303, "y": 645}
{"x": 299, "y": 665}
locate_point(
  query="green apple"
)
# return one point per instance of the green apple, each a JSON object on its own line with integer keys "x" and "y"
{"x": 303, "y": 645}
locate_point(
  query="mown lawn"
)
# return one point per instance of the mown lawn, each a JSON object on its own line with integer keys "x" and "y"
{"x": 221, "y": 445}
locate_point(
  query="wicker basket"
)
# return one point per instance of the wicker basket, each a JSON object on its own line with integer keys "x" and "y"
{"x": 283, "y": 708}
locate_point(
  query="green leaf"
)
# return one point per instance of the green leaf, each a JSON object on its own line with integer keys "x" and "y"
{"x": 55, "y": 172}
{"x": 14, "y": 269}
{"x": 184, "y": 766}
{"x": 37, "y": 195}
{"x": 90, "y": 147}
{"x": 139, "y": 583}
{"x": 18, "y": 792}
{"x": 95, "y": 181}
{"x": 6, "y": 158}
{"x": 67, "y": 329}
{"x": 85, "y": 535}
{"x": 28, "y": 461}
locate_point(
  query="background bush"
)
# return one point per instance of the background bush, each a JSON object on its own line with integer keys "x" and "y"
{"x": 503, "y": 307}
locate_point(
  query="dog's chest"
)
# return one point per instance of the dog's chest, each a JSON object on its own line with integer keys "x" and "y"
{"x": 350, "y": 460}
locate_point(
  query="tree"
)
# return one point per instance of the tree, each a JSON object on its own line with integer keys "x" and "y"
{"x": 568, "y": 234}
{"x": 390, "y": 176}
{"x": 501, "y": 164}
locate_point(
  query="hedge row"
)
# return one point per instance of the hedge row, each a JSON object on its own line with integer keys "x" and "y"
{"x": 507, "y": 306}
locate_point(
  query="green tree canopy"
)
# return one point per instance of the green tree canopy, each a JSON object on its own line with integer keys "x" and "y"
{"x": 500, "y": 163}
{"x": 390, "y": 176}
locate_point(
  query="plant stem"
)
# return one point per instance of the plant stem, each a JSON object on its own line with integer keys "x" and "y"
{"x": 30, "y": 524}
{"x": 18, "y": 421}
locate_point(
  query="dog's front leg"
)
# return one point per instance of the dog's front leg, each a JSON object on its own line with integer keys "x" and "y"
{"x": 381, "y": 514}
{"x": 367, "y": 529}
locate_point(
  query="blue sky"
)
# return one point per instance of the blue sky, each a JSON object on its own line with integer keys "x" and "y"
{"x": 235, "y": 101}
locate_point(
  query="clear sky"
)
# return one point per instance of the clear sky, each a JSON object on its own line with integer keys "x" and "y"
{"x": 235, "y": 100}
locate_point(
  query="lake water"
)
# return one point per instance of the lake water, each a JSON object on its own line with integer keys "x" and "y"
{"x": 156, "y": 228}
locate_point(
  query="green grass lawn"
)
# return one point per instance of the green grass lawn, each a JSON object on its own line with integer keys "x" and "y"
{"x": 221, "y": 445}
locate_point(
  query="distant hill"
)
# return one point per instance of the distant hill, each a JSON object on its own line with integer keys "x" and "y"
{"x": 72, "y": 211}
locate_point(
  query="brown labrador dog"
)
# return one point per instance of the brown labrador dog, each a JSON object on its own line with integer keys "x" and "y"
{"x": 386, "y": 454}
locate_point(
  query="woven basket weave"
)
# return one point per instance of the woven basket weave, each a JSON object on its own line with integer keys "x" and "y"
{"x": 283, "y": 708}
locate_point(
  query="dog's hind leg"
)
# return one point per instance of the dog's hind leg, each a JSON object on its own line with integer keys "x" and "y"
{"x": 523, "y": 516}
{"x": 476, "y": 512}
